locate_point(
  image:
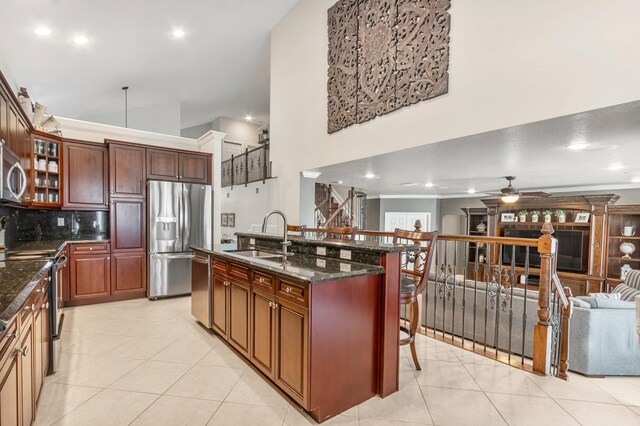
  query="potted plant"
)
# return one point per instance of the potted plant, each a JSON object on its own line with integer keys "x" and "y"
{"x": 561, "y": 215}
{"x": 547, "y": 215}
{"x": 522, "y": 215}
{"x": 535, "y": 214}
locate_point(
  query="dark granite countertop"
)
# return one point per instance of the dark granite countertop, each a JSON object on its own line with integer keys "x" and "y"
{"x": 311, "y": 269}
{"x": 373, "y": 246}
{"x": 17, "y": 280}
{"x": 53, "y": 245}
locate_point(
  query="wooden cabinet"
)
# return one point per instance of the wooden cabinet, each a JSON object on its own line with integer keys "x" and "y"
{"x": 195, "y": 168}
{"x": 239, "y": 315}
{"x": 10, "y": 390}
{"x": 219, "y": 294}
{"x": 45, "y": 171}
{"x": 25, "y": 355}
{"x": 162, "y": 165}
{"x": 127, "y": 171}
{"x": 85, "y": 170}
{"x": 129, "y": 273}
{"x": 292, "y": 322}
{"x": 263, "y": 323}
{"x": 128, "y": 225}
{"x": 89, "y": 276}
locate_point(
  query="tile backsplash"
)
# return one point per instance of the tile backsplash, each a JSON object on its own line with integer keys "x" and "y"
{"x": 29, "y": 225}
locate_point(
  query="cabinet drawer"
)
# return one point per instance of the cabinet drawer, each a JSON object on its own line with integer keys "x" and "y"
{"x": 264, "y": 281}
{"x": 100, "y": 248}
{"x": 240, "y": 272}
{"x": 219, "y": 266}
{"x": 295, "y": 293}
{"x": 8, "y": 341}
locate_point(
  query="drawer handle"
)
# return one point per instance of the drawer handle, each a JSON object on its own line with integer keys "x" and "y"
{"x": 90, "y": 248}
{"x": 45, "y": 305}
{"x": 287, "y": 289}
{"x": 23, "y": 352}
{"x": 262, "y": 280}
{"x": 273, "y": 305}
{"x": 227, "y": 283}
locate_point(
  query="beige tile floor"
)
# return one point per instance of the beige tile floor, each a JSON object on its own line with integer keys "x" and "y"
{"x": 150, "y": 363}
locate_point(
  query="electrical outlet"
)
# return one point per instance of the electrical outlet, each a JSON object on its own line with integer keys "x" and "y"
{"x": 61, "y": 221}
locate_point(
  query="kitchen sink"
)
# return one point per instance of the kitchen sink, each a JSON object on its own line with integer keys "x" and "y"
{"x": 255, "y": 253}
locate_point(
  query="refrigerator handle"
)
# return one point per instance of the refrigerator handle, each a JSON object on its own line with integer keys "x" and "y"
{"x": 177, "y": 199}
{"x": 186, "y": 217}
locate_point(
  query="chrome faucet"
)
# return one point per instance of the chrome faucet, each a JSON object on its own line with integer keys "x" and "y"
{"x": 285, "y": 243}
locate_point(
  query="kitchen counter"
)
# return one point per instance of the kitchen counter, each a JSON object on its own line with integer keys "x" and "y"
{"x": 54, "y": 245}
{"x": 17, "y": 280}
{"x": 304, "y": 267}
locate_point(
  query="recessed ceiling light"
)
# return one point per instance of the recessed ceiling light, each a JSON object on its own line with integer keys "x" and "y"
{"x": 471, "y": 191}
{"x": 248, "y": 117}
{"x": 80, "y": 40}
{"x": 340, "y": 182}
{"x": 429, "y": 185}
{"x": 578, "y": 146}
{"x": 178, "y": 33}
{"x": 615, "y": 166}
{"x": 370, "y": 176}
{"x": 42, "y": 31}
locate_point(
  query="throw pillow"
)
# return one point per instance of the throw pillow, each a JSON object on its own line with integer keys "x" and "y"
{"x": 615, "y": 296}
{"x": 633, "y": 279}
{"x": 579, "y": 303}
{"x": 626, "y": 293}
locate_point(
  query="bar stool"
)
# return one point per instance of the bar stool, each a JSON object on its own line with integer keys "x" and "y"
{"x": 414, "y": 278}
{"x": 296, "y": 229}
{"x": 346, "y": 233}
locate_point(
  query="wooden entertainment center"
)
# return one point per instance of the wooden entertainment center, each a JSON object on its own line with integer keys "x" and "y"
{"x": 603, "y": 229}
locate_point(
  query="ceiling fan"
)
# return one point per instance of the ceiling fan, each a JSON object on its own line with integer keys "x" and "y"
{"x": 510, "y": 194}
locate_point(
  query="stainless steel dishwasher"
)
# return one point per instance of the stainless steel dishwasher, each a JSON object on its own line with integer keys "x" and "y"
{"x": 201, "y": 288}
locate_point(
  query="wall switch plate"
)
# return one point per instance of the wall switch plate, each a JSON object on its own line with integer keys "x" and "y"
{"x": 321, "y": 263}
{"x": 345, "y": 254}
{"x": 61, "y": 221}
{"x": 321, "y": 251}
{"x": 252, "y": 241}
{"x": 345, "y": 267}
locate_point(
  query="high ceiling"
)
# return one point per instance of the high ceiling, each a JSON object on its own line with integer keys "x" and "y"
{"x": 220, "y": 67}
{"x": 535, "y": 153}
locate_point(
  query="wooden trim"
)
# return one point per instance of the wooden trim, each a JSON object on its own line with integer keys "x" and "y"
{"x": 159, "y": 148}
{"x": 13, "y": 98}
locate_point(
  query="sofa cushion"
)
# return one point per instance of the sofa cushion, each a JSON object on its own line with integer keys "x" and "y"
{"x": 614, "y": 296}
{"x": 580, "y": 303}
{"x": 626, "y": 293}
{"x": 633, "y": 279}
{"x": 407, "y": 285}
{"x": 603, "y": 303}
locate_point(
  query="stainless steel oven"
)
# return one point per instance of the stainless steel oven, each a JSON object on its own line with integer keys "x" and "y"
{"x": 13, "y": 179}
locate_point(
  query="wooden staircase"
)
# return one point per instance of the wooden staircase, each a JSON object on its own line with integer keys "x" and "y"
{"x": 333, "y": 212}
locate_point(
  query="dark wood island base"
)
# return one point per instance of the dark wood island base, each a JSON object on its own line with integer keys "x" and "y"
{"x": 325, "y": 331}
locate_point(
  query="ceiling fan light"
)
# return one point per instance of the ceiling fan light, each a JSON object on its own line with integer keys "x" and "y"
{"x": 511, "y": 198}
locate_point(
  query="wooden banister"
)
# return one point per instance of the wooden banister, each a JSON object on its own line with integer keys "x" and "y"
{"x": 542, "y": 338}
{"x": 567, "y": 311}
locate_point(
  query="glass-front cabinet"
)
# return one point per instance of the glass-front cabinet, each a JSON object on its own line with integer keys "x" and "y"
{"x": 623, "y": 252}
{"x": 46, "y": 170}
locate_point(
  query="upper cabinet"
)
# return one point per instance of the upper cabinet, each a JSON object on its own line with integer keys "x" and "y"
{"x": 46, "y": 170}
{"x": 127, "y": 171}
{"x": 195, "y": 168}
{"x": 85, "y": 170}
{"x": 162, "y": 165}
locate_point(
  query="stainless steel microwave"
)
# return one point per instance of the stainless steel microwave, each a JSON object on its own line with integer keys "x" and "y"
{"x": 13, "y": 179}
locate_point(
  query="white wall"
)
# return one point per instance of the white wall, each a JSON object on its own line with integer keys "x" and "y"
{"x": 307, "y": 202}
{"x": 237, "y": 131}
{"x": 195, "y": 131}
{"x": 249, "y": 207}
{"x": 511, "y": 63}
{"x": 161, "y": 118}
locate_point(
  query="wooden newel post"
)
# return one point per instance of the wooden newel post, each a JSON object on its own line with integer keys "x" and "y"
{"x": 567, "y": 311}
{"x": 418, "y": 225}
{"x": 542, "y": 339}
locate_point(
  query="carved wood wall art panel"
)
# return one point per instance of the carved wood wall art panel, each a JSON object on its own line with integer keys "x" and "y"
{"x": 384, "y": 55}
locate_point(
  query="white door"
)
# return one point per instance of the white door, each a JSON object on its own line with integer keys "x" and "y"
{"x": 406, "y": 220}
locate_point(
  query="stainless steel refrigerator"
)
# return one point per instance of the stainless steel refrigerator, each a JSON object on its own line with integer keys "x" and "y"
{"x": 179, "y": 216}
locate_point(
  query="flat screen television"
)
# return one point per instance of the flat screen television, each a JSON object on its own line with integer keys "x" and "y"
{"x": 573, "y": 249}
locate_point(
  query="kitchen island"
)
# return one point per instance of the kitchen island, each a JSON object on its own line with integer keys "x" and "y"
{"x": 322, "y": 328}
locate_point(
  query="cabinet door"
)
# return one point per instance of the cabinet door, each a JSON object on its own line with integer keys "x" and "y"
{"x": 128, "y": 273}
{"x": 85, "y": 170}
{"x": 89, "y": 277}
{"x": 239, "y": 316}
{"x": 127, "y": 171}
{"x": 37, "y": 351}
{"x": 10, "y": 391}
{"x": 4, "y": 122}
{"x": 26, "y": 373}
{"x": 219, "y": 305}
{"x": 291, "y": 349}
{"x": 45, "y": 312}
{"x": 162, "y": 165}
{"x": 128, "y": 225}
{"x": 263, "y": 325}
{"x": 195, "y": 168}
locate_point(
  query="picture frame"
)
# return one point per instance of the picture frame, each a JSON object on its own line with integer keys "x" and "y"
{"x": 508, "y": 217}
{"x": 231, "y": 220}
{"x": 582, "y": 217}
{"x": 225, "y": 219}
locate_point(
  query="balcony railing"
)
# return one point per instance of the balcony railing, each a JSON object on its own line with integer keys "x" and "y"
{"x": 252, "y": 166}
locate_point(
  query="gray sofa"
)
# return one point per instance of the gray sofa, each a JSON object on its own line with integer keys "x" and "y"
{"x": 603, "y": 339}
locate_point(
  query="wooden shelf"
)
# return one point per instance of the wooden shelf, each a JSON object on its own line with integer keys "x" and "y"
{"x": 555, "y": 224}
{"x": 622, "y": 259}
{"x": 622, "y": 237}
